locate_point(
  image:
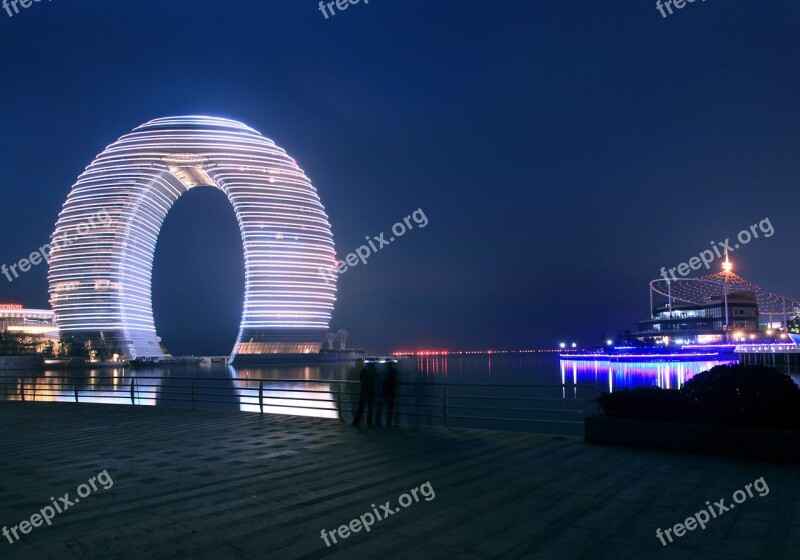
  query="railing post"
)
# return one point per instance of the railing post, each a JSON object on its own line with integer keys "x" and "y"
{"x": 22, "y": 389}
{"x": 133, "y": 389}
{"x": 339, "y": 401}
{"x": 261, "y": 396}
{"x": 444, "y": 407}
{"x": 193, "y": 395}
{"x": 75, "y": 387}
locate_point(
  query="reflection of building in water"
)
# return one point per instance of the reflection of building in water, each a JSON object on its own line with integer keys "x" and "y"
{"x": 610, "y": 375}
{"x": 296, "y": 391}
{"x": 106, "y": 386}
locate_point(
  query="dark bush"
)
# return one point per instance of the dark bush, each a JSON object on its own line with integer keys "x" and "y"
{"x": 735, "y": 395}
{"x": 744, "y": 396}
{"x": 651, "y": 403}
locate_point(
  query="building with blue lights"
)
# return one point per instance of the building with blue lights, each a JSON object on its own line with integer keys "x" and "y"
{"x": 703, "y": 323}
{"x": 716, "y": 308}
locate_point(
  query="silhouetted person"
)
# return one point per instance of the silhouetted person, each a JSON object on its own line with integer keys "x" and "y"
{"x": 353, "y": 389}
{"x": 389, "y": 390}
{"x": 369, "y": 378}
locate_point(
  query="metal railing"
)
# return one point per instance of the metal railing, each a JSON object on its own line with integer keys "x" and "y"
{"x": 504, "y": 406}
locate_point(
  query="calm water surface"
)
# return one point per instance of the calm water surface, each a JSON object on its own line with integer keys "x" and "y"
{"x": 311, "y": 390}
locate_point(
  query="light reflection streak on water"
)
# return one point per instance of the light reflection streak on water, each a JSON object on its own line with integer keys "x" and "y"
{"x": 303, "y": 403}
{"x": 165, "y": 386}
{"x": 630, "y": 375}
{"x": 104, "y": 386}
{"x": 310, "y": 402}
{"x": 113, "y": 386}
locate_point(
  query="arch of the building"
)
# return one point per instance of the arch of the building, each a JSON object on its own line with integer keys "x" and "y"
{"x": 103, "y": 246}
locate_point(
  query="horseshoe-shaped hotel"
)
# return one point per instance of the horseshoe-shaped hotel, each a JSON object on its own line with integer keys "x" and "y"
{"x": 105, "y": 238}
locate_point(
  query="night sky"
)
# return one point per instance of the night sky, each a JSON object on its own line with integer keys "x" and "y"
{"x": 563, "y": 151}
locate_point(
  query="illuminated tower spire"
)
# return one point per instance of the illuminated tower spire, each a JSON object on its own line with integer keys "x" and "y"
{"x": 727, "y": 266}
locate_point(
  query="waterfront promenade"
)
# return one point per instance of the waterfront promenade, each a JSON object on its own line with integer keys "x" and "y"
{"x": 203, "y": 484}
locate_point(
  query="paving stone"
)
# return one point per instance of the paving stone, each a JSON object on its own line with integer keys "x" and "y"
{"x": 203, "y": 484}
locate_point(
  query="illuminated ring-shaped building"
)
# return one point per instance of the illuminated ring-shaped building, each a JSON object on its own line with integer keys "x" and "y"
{"x": 102, "y": 249}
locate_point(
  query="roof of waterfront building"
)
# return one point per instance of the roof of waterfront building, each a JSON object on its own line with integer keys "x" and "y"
{"x": 704, "y": 289}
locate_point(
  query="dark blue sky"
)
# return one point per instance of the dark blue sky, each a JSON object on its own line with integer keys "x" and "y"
{"x": 562, "y": 151}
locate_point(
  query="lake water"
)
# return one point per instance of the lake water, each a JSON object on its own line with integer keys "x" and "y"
{"x": 523, "y": 390}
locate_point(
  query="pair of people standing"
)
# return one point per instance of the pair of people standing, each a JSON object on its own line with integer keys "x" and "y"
{"x": 380, "y": 386}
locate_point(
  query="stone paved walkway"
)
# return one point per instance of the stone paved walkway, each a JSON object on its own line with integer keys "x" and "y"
{"x": 215, "y": 485}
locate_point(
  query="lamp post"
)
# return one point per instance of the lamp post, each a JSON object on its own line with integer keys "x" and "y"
{"x": 727, "y": 267}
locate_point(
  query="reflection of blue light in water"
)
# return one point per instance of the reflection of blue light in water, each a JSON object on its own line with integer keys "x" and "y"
{"x": 565, "y": 381}
{"x": 629, "y": 375}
